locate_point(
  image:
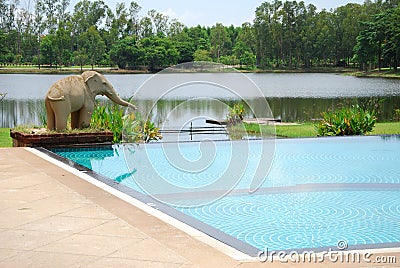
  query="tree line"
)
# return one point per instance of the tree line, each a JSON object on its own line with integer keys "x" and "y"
{"x": 284, "y": 34}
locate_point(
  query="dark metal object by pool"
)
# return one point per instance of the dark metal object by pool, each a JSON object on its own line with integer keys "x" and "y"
{"x": 214, "y": 130}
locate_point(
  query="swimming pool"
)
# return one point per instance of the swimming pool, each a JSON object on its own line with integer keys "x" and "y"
{"x": 316, "y": 193}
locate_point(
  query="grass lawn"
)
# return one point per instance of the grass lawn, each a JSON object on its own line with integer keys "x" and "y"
{"x": 289, "y": 131}
{"x": 386, "y": 128}
{"x": 309, "y": 130}
{"x": 5, "y": 139}
{"x": 296, "y": 131}
{"x": 385, "y": 73}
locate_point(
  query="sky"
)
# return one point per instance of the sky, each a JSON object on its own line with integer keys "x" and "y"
{"x": 210, "y": 12}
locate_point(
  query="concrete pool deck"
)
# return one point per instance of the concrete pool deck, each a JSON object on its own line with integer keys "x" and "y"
{"x": 50, "y": 217}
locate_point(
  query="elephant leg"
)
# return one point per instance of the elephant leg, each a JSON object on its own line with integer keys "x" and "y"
{"x": 61, "y": 111}
{"x": 75, "y": 119}
{"x": 61, "y": 122}
{"x": 84, "y": 117}
{"x": 50, "y": 116}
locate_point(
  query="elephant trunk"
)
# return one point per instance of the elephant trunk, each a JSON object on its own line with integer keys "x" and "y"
{"x": 115, "y": 98}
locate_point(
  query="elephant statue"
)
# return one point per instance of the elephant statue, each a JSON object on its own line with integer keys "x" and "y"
{"x": 75, "y": 95}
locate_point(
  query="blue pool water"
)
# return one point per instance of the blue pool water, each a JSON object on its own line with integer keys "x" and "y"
{"x": 316, "y": 192}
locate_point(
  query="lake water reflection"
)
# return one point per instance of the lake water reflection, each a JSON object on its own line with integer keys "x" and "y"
{"x": 292, "y": 97}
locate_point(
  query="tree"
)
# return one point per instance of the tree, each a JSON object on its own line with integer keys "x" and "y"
{"x": 93, "y": 44}
{"x": 248, "y": 59}
{"x": 146, "y": 28}
{"x": 365, "y": 50}
{"x": 199, "y": 36}
{"x": 347, "y": 27}
{"x": 218, "y": 39}
{"x": 292, "y": 15}
{"x": 308, "y": 35}
{"x": 324, "y": 38}
{"x": 175, "y": 31}
{"x": 379, "y": 40}
{"x": 48, "y": 49}
{"x": 120, "y": 22}
{"x": 244, "y": 44}
{"x": 133, "y": 19}
{"x": 229, "y": 60}
{"x": 80, "y": 57}
{"x": 201, "y": 55}
{"x": 391, "y": 48}
{"x": 186, "y": 50}
{"x": 63, "y": 43}
{"x": 159, "y": 21}
{"x": 125, "y": 52}
{"x": 239, "y": 50}
{"x": 53, "y": 12}
{"x": 269, "y": 34}
{"x": 158, "y": 52}
{"x": 87, "y": 14}
{"x": 5, "y": 54}
{"x": 283, "y": 34}
{"x": 7, "y": 14}
{"x": 247, "y": 37}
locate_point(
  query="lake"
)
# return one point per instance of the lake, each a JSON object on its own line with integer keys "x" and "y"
{"x": 291, "y": 96}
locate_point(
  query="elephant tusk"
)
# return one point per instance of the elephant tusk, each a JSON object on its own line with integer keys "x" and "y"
{"x": 56, "y": 99}
{"x": 132, "y": 106}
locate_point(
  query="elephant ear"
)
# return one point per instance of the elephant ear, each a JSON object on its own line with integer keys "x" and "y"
{"x": 88, "y": 74}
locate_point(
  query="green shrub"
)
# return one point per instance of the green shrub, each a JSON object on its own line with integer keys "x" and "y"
{"x": 138, "y": 130}
{"x": 110, "y": 116}
{"x": 397, "y": 114}
{"x": 347, "y": 121}
{"x": 235, "y": 114}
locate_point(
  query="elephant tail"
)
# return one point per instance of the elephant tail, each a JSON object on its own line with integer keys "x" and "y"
{"x": 56, "y": 99}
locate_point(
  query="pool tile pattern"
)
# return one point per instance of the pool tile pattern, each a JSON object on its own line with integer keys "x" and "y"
{"x": 315, "y": 189}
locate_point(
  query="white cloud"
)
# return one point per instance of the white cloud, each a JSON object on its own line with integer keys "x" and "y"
{"x": 188, "y": 18}
{"x": 170, "y": 13}
{"x": 193, "y": 18}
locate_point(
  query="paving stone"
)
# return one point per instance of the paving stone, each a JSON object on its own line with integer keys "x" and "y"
{"x": 93, "y": 245}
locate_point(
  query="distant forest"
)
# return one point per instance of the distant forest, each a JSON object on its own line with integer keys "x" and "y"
{"x": 283, "y": 35}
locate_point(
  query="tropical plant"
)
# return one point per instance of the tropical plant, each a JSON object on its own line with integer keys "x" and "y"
{"x": 235, "y": 114}
{"x": 110, "y": 116}
{"x": 397, "y": 114}
{"x": 138, "y": 130}
{"x": 346, "y": 121}
{"x": 150, "y": 132}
